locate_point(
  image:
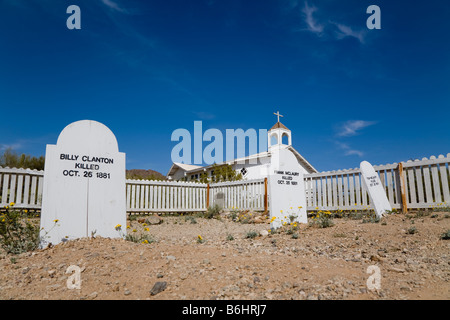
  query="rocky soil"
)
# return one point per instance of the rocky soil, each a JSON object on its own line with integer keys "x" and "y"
{"x": 328, "y": 263}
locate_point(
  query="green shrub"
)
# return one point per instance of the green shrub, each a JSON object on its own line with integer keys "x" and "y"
{"x": 321, "y": 220}
{"x": 212, "y": 212}
{"x": 191, "y": 219}
{"x": 18, "y": 234}
{"x": 371, "y": 217}
{"x": 445, "y": 235}
{"x": 251, "y": 234}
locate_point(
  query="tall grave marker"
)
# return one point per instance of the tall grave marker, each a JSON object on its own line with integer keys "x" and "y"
{"x": 84, "y": 184}
{"x": 286, "y": 189}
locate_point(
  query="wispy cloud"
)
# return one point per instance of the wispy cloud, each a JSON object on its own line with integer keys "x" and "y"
{"x": 114, "y": 6}
{"x": 351, "y": 127}
{"x": 13, "y": 146}
{"x": 348, "y": 151}
{"x": 325, "y": 29}
{"x": 346, "y": 31}
{"x": 311, "y": 22}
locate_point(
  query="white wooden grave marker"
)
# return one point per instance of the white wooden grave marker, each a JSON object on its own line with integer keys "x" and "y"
{"x": 374, "y": 187}
{"x": 84, "y": 184}
{"x": 286, "y": 189}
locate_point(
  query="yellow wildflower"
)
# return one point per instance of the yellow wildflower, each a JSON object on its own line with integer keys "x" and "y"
{"x": 147, "y": 229}
{"x": 145, "y": 241}
{"x": 56, "y": 220}
{"x": 12, "y": 204}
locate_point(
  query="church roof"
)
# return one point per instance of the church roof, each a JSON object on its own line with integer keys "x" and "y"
{"x": 183, "y": 166}
{"x": 279, "y": 125}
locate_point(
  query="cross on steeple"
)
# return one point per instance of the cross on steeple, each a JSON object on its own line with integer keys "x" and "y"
{"x": 278, "y": 115}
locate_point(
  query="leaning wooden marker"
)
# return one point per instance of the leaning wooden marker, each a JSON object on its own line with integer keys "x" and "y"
{"x": 375, "y": 188}
{"x": 83, "y": 192}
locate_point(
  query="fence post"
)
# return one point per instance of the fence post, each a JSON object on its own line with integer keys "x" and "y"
{"x": 207, "y": 196}
{"x": 402, "y": 187}
{"x": 265, "y": 196}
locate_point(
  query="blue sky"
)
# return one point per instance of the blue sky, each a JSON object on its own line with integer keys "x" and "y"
{"x": 147, "y": 68}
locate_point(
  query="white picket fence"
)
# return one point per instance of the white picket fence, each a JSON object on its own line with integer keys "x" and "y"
{"x": 426, "y": 184}
{"x": 244, "y": 195}
{"x": 145, "y": 196}
{"x": 24, "y": 188}
{"x": 21, "y": 186}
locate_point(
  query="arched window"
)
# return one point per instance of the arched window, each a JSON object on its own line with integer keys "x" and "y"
{"x": 273, "y": 139}
{"x": 285, "y": 138}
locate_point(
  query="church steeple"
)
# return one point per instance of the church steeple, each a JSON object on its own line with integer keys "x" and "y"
{"x": 277, "y": 132}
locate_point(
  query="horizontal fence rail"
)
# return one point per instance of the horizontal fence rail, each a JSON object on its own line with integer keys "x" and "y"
{"x": 425, "y": 184}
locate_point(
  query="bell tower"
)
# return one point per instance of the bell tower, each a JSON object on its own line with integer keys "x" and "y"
{"x": 279, "y": 134}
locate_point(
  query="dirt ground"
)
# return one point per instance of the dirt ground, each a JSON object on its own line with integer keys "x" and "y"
{"x": 328, "y": 263}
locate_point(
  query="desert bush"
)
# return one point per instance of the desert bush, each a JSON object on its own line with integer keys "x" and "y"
{"x": 18, "y": 233}
{"x": 321, "y": 220}
{"x": 191, "y": 219}
{"x": 251, "y": 234}
{"x": 371, "y": 217}
{"x": 212, "y": 212}
{"x": 445, "y": 235}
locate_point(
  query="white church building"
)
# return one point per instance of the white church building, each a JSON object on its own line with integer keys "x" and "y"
{"x": 254, "y": 166}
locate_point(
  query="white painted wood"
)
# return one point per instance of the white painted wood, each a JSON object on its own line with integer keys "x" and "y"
{"x": 18, "y": 199}
{"x": 358, "y": 188}
{"x": 26, "y": 190}
{"x": 33, "y": 190}
{"x": 418, "y": 173}
{"x": 390, "y": 186}
{"x": 412, "y": 185}
{"x": 84, "y": 184}
{"x": 5, "y": 187}
{"x": 12, "y": 189}
{"x": 374, "y": 188}
{"x": 427, "y": 181}
{"x": 435, "y": 178}
{"x": 335, "y": 194}
{"x": 287, "y": 187}
{"x": 340, "y": 191}
{"x": 444, "y": 180}
{"x": 346, "y": 196}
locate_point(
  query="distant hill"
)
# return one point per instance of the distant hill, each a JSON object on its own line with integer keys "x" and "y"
{"x": 144, "y": 174}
